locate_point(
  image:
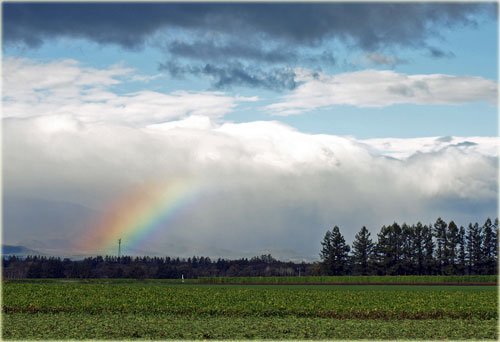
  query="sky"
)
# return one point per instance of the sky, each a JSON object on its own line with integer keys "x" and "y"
{"x": 236, "y": 129}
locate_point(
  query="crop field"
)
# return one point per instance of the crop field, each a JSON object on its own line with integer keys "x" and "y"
{"x": 161, "y": 310}
{"x": 412, "y": 279}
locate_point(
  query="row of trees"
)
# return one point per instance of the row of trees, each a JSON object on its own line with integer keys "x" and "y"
{"x": 442, "y": 248}
{"x": 150, "y": 267}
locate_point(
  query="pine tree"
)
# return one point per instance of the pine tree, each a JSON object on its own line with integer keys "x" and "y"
{"x": 326, "y": 252}
{"x": 450, "y": 249}
{"x": 397, "y": 245}
{"x": 383, "y": 251}
{"x": 474, "y": 252}
{"x": 440, "y": 235}
{"x": 389, "y": 250}
{"x": 407, "y": 252}
{"x": 335, "y": 253}
{"x": 362, "y": 248}
{"x": 429, "y": 261}
{"x": 378, "y": 254}
{"x": 418, "y": 248}
{"x": 462, "y": 255}
{"x": 488, "y": 249}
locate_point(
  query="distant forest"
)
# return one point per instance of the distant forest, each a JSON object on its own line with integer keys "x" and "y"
{"x": 435, "y": 249}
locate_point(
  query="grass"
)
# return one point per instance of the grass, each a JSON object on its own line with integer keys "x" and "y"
{"x": 160, "y": 327}
{"x": 341, "y": 302}
{"x": 159, "y": 310}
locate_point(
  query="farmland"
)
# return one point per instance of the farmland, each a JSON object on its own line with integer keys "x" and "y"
{"x": 407, "y": 280}
{"x": 107, "y": 309}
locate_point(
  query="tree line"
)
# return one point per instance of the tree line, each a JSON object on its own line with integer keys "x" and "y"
{"x": 150, "y": 267}
{"x": 434, "y": 249}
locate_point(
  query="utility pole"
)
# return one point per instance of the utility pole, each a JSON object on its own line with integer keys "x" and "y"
{"x": 119, "y": 247}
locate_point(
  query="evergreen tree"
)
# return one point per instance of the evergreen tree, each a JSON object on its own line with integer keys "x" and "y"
{"x": 418, "y": 248}
{"x": 477, "y": 248}
{"x": 378, "y": 254}
{"x": 383, "y": 251}
{"x": 389, "y": 250}
{"x": 440, "y": 235}
{"x": 474, "y": 249}
{"x": 408, "y": 255}
{"x": 462, "y": 255}
{"x": 488, "y": 250}
{"x": 429, "y": 261}
{"x": 397, "y": 243}
{"x": 450, "y": 249}
{"x": 335, "y": 253}
{"x": 362, "y": 248}
{"x": 326, "y": 252}
{"x": 468, "y": 241}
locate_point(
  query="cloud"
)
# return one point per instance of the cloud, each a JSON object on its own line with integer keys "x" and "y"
{"x": 262, "y": 185}
{"x": 438, "y": 53}
{"x": 222, "y": 51}
{"x": 382, "y": 59}
{"x": 225, "y": 68}
{"x": 233, "y": 74}
{"x": 26, "y": 80}
{"x": 67, "y": 88}
{"x": 132, "y": 24}
{"x": 257, "y": 35}
{"x": 267, "y": 69}
{"x": 72, "y": 144}
{"x": 374, "y": 88}
{"x": 404, "y": 148}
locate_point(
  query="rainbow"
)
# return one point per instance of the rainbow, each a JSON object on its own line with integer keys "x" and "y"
{"x": 140, "y": 214}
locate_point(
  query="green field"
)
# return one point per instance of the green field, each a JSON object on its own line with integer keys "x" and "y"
{"x": 108, "y": 309}
{"x": 411, "y": 279}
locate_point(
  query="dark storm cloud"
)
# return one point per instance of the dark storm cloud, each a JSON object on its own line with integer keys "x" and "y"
{"x": 236, "y": 75}
{"x": 226, "y": 70}
{"x": 213, "y": 51}
{"x": 233, "y": 74}
{"x": 367, "y": 25}
{"x": 249, "y": 44}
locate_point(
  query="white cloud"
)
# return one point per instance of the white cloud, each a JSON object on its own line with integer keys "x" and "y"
{"x": 264, "y": 185}
{"x": 27, "y": 80}
{"x": 67, "y": 88}
{"x": 374, "y": 88}
{"x": 404, "y": 148}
